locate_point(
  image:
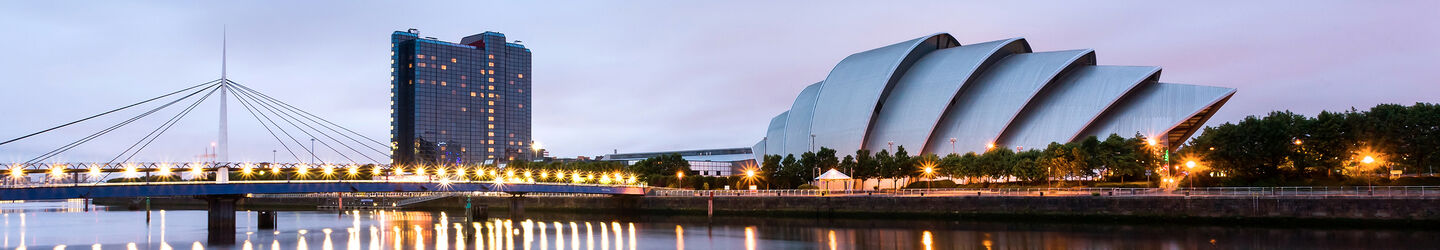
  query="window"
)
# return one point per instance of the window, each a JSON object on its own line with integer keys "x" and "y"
{"x": 492, "y": 126}
{"x": 492, "y": 79}
{"x": 492, "y": 134}
{"x": 492, "y": 150}
{"x": 463, "y": 109}
{"x": 492, "y": 87}
{"x": 420, "y": 80}
{"x": 492, "y": 64}
{"x": 491, "y": 103}
{"x": 452, "y": 59}
{"x": 492, "y": 118}
{"x": 472, "y": 94}
{"x": 492, "y": 56}
{"x": 492, "y": 72}
{"x": 422, "y": 65}
{"x": 419, "y": 56}
{"x": 442, "y": 67}
{"x": 520, "y": 75}
{"x": 462, "y": 77}
{"x": 522, "y": 106}
{"x": 492, "y": 111}
{"x": 490, "y": 142}
{"x": 442, "y": 83}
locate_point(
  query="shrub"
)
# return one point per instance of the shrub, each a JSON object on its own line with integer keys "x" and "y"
{"x": 932, "y": 184}
{"x": 808, "y": 186}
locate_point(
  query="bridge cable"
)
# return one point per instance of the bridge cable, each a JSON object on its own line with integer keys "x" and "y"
{"x": 304, "y": 115}
{"x": 302, "y": 130}
{"x": 253, "y": 109}
{"x": 158, "y": 131}
{"x": 327, "y": 135}
{"x": 165, "y": 127}
{"x": 105, "y": 113}
{"x": 77, "y": 143}
{"x": 385, "y": 145}
{"x": 312, "y": 136}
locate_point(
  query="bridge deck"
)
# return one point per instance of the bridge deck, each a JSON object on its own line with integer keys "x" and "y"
{"x": 71, "y": 191}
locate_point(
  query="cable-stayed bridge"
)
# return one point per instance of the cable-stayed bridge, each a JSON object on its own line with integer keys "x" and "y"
{"x": 351, "y": 162}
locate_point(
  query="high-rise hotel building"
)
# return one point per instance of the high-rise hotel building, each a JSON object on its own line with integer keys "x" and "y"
{"x": 459, "y": 103}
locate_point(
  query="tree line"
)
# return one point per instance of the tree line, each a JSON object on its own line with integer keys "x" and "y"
{"x": 1283, "y": 147}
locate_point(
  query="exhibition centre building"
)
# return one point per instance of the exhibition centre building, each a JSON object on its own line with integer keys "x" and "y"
{"x": 933, "y": 95}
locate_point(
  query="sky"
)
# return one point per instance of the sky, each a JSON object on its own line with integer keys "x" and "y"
{"x": 636, "y": 76}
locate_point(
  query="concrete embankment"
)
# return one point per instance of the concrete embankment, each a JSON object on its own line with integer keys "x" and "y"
{"x": 1407, "y": 210}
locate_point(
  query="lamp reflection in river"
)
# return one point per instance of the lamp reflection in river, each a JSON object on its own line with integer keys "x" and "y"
{"x": 604, "y": 236}
{"x": 750, "y": 238}
{"x": 619, "y": 244}
{"x": 679, "y": 237}
{"x": 559, "y": 236}
{"x": 632, "y": 234}
{"x": 589, "y": 237}
{"x": 574, "y": 236}
{"x": 925, "y": 240}
{"x": 832, "y": 240}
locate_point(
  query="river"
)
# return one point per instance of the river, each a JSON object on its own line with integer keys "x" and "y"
{"x": 67, "y": 225}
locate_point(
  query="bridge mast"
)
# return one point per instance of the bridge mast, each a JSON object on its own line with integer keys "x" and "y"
{"x": 222, "y": 154}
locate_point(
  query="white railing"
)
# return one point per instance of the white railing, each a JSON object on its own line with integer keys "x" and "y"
{"x": 442, "y": 182}
{"x": 1306, "y": 192}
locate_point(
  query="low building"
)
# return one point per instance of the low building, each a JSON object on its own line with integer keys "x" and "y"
{"x": 703, "y": 162}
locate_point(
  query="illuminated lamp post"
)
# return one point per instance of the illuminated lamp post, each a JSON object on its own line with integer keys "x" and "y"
{"x": 1190, "y": 170}
{"x": 679, "y": 179}
{"x": 1367, "y": 161}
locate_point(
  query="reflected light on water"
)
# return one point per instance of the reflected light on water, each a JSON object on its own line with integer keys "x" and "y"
{"x": 925, "y": 240}
{"x": 680, "y": 237}
{"x": 604, "y": 237}
{"x": 619, "y": 243}
{"x": 833, "y": 246}
{"x": 750, "y": 238}
{"x": 544, "y": 241}
{"x": 632, "y": 234}
{"x": 574, "y": 236}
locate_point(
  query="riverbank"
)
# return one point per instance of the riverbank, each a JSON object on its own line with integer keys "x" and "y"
{"x": 1414, "y": 211}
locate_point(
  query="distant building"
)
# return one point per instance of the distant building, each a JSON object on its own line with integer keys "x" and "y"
{"x": 703, "y": 162}
{"x": 459, "y": 103}
{"x": 933, "y": 96}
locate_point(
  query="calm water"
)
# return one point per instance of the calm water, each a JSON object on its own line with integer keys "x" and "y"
{"x": 57, "y": 225}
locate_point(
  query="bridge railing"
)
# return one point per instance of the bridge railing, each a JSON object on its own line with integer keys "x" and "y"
{"x": 1295, "y": 192}
{"x": 442, "y": 182}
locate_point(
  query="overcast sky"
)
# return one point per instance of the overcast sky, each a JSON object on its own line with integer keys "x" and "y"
{"x": 659, "y": 75}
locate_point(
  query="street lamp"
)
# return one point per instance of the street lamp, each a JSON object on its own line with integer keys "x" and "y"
{"x": 1190, "y": 170}
{"x": 679, "y": 179}
{"x": 952, "y": 146}
{"x": 1367, "y": 161}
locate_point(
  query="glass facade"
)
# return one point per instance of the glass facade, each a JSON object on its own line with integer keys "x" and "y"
{"x": 459, "y": 103}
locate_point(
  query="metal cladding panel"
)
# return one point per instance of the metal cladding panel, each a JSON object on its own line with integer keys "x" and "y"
{"x": 927, "y": 88}
{"x": 856, "y": 87}
{"x": 986, "y": 106}
{"x": 775, "y": 136}
{"x": 1076, "y": 99}
{"x": 1154, "y": 109}
{"x": 797, "y": 125}
{"x": 759, "y": 151}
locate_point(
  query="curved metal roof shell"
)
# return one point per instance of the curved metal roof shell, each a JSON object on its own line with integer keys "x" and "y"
{"x": 985, "y": 107}
{"x": 797, "y": 125}
{"x": 923, "y": 92}
{"x": 922, "y": 95}
{"x": 775, "y": 136}
{"x": 1063, "y": 110}
{"x": 855, "y": 88}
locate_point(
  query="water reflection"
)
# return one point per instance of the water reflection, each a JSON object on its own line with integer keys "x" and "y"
{"x": 34, "y": 226}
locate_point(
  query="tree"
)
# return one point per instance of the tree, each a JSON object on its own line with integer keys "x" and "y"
{"x": 661, "y": 167}
{"x": 866, "y": 167}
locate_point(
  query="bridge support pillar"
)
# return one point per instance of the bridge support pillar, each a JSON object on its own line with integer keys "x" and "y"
{"x": 265, "y": 220}
{"x": 221, "y": 223}
{"x": 476, "y": 212}
{"x": 517, "y": 206}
